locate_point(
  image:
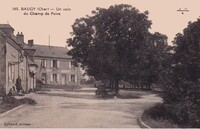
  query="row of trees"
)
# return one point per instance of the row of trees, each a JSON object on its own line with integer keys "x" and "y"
{"x": 115, "y": 44}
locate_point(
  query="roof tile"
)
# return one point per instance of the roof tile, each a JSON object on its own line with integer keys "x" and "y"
{"x": 50, "y": 51}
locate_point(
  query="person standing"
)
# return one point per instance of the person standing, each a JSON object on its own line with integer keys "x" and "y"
{"x": 18, "y": 84}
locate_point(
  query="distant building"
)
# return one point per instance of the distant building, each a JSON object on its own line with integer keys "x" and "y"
{"x": 56, "y": 67}
{"x": 15, "y": 61}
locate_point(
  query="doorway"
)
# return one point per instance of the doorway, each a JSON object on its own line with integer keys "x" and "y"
{"x": 64, "y": 79}
{"x": 44, "y": 76}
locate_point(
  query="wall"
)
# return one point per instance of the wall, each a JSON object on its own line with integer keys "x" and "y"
{"x": 18, "y": 68}
{"x": 2, "y": 64}
{"x": 62, "y": 70}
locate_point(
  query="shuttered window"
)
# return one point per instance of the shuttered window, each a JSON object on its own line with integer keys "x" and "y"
{"x": 55, "y": 78}
{"x": 73, "y": 64}
{"x": 72, "y": 78}
{"x": 55, "y": 63}
{"x": 44, "y": 63}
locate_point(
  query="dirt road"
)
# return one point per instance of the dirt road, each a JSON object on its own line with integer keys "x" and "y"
{"x": 64, "y": 109}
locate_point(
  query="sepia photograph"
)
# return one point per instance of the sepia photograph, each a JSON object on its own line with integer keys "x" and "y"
{"x": 99, "y": 64}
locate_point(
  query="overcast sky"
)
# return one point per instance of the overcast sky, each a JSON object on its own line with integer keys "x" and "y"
{"x": 163, "y": 13}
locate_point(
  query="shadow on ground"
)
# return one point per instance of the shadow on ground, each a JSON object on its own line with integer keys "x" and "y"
{"x": 80, "y": 96}
{"x": 89, "y": 93}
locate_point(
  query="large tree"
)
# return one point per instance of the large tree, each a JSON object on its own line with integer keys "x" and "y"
{"x": 115, "y": 44}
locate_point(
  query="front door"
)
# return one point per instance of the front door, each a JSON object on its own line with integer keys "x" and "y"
{"x": 44, "y": 76}
{"x": 63, "y": 79}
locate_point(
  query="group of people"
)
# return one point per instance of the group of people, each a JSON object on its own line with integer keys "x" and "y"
{"x": 18, "y": 87}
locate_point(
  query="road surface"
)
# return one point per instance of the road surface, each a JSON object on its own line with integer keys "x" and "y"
{"x": 58, "y": 108}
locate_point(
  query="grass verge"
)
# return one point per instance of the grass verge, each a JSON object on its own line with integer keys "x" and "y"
{"x": 126, "y": 94}
{"x": 155, "y": 117}
{"x": 8, "y": 102}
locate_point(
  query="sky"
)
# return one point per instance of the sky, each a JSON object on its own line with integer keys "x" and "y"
{"x": 163, "y": 14}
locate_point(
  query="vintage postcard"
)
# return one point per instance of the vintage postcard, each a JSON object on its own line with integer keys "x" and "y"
{"x": 99, "y": 64}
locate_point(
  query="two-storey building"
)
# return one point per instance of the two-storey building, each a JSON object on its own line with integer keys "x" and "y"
{"x": 55, "y": 66}
{"x": 50, "y": 64}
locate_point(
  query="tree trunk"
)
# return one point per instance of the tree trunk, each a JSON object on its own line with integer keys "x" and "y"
{"x": 116, "y": 87}
{"x": 140, "y": 84}
{"x": 111, "y": 84}
{"x": 148, "y": 86}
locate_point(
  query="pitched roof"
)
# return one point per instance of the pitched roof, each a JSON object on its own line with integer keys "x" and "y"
{"x": 50, "y": 51}
{"x": 13, "y": 43}
{"x": 6, "y": 26}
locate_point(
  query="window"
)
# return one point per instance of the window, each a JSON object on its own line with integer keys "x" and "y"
{"x": 11, "y": 72}
{"x": 73, "y": 64}
{"x": 44, "y": 74}
{"x": 44, "y": 63}
{"x": 55, "y": 63}
{"x": 23, "y": 74}
{"x": 72, "y": 78}
{"x": 55, "y": 79}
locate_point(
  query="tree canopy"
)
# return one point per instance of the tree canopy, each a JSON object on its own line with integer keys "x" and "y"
{"x": 115, "y": 44}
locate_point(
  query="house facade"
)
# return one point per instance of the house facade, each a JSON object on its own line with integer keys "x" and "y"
{"x": 55, "y": 66}
{"x": 50, "y": 64}
{"x": 14, "y": 60}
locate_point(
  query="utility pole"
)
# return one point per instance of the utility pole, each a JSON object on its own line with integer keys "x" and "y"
{"x": 49, "y": 40}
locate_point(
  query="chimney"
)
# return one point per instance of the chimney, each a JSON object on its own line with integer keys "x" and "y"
{"x": 30, "y": 42}
{"x": 20, "y": 38}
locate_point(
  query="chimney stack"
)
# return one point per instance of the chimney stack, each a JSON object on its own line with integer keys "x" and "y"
{"x": 30, "y": 42}
{"x": 20, "y": 38}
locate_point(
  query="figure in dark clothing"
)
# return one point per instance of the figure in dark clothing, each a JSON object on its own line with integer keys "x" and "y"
{"x": 18, "y": 84}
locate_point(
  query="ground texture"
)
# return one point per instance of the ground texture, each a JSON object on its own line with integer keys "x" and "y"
{"x": 73, "y": 109}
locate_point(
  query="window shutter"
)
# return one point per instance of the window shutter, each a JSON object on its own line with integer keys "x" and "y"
{"x": 75, "y": 76}
{"x": 58, "y": 63}
{"x": 51, "y": 63}
{"x": 51, "y": 77}
{"x": 70, "y": 65}
{"x": 69, "y": 78}
{"x": 42, "y": 61}
{"x": 58, "y": 78}
{"x": 45, "y": 63}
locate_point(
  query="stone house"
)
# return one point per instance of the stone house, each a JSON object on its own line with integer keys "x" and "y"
{"x": 50, "y": 64}
{"x": 55, "y": 66}
{"x": 14, "y": 60}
